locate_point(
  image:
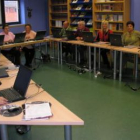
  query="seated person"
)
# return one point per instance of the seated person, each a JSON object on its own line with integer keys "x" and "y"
{"x": 103, "y": 35}
{"x": 131, "y": 37}
{"x": 79, "y": 36}
{"x": 8, "y": 38}
{"x": 66, "y": 47}
{"x": 29, "y": 51}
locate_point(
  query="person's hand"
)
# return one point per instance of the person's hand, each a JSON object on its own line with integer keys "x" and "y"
{"x": 78, "y": 38}
{"x": 3, "y": 101}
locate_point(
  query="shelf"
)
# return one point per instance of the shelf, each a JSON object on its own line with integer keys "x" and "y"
{"x": 85, "y": 3}
{"x": 110, "y": 2}
{"x": 85, "y": 17}
{"x": 59, "y": 19}
{"x": 110, "y": 21}
{"x": 109, "y": 11}
{"x": 77, "y": 25}
{"x": 81, "y": 10}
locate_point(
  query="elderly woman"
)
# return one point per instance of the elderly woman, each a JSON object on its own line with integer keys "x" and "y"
{"x": 103, "y": 35}
{"x": 131, "y": 37}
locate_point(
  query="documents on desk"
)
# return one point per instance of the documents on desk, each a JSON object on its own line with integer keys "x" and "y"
{"x": 37, "y": 110}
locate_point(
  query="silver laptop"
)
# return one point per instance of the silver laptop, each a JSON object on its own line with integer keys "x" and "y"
{"x": 19, "y": 89}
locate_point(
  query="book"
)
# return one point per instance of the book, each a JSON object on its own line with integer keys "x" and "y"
{"x": 120, "y": 17}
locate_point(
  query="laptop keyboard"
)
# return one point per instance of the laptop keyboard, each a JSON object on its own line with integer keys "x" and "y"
{"x": 10, "y": 94}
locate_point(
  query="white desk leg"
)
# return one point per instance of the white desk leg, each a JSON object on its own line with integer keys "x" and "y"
{"x": 94, "y": 60}
{"x": 120, "y": 73}
{"x": 76, "y": 54}
{"x": 136, "y": 66}
{"x": 61, "y": 53}
{"x": 114, "y": 74}
{"x": 99, "y": 63}
{"x": 89, "y": 58}
{"x": 4, "y": 135}
{"x": 58, "y": 48}
{"x": 46, "y": 45}
{"x": 68, "y": 132}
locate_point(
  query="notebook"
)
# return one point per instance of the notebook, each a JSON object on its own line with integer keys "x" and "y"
{"x": 88, "y": 37}
{"x": 56, "y": 33}
{"x": 19, "y": 89}
{"x": 70, "y": 35}
{"x": 1, "y": 39}
{"x": 116, "y": 40}
{"x": 40, "y": 35}
{"x": 19, "y": 37}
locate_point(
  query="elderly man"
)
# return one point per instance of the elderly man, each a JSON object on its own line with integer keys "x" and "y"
{"x": 79, "y": 36}
{"x": 66, "y": 48}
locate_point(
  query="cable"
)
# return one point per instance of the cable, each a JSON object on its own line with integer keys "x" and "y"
{"x": 134, "y": 89}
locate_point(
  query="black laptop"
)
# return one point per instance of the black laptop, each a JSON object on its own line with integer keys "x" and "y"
{"x": 40, "y": 35}
{"x": 56, "y": 32}
{"x": 116, "y": 40}
{"x": 1, "y": 39}
{"x": 18, "y": 91}
{"x": 88, "y": 37}
{"x": 70, "y": 35}
{"x": 19, "y": 37}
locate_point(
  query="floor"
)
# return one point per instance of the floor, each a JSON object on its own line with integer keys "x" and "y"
{"x": 109, "y": 109}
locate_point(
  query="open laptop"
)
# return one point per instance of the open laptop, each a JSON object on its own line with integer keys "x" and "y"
{"x": 19, "y": 37}
{"x": 70, "y": 35}
{"x": 88, "y": 37}
{"x": 116, "y": 40}
{"x": 40, "y": 35}
{"x": 19, "y": 89}
{"x": 1, "y": 39}
{"x": 56, "y": 32}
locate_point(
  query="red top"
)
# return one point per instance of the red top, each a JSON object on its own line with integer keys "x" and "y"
{"x": 103, "y": 36}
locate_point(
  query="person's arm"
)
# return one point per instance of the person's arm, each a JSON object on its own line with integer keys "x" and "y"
{"x": 97, "y": 37}
{"x": 3, "y": 101}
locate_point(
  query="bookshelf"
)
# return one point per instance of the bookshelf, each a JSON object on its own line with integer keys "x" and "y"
{"x": 117, "y": 12}
{"x": 81, "y": 10}
{"x": 58, "y": 13}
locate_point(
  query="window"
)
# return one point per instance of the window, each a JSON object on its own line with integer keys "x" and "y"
{"x": 0, "y": 14}
{"x": 11, "y": 10}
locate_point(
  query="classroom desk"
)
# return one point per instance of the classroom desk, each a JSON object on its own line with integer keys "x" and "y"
{"x": 23, "y": 44}
{"x": 61, "y": 115}
{"x": 134, "y": 51}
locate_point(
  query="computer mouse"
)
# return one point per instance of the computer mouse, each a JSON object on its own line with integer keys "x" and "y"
{"x": 13, "y": 109}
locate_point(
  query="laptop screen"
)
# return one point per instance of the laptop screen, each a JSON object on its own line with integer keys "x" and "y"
{"x": 116, "y": 40}
{"x": 40, "y": 35}
{"x": 22, "y": 80}
{"x": 1, "y": 39}
{"x": 19, "y": 37}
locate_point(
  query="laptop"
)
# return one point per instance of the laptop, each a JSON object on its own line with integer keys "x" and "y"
{"x": 19, "y": 37}
{"x": 88, "y": 37}
{"x": 40, "y": 35}
{"x": 3, "y": 73}
{"x": 19, "y": 89}
{"x": 70, "y": 35}
{"x": 56, "y": 33}
{"x": 116, "y": 40}
{"x": 1, "y": 39}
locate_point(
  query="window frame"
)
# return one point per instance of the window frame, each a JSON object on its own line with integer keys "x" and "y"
{"x": 3, "y": 13}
